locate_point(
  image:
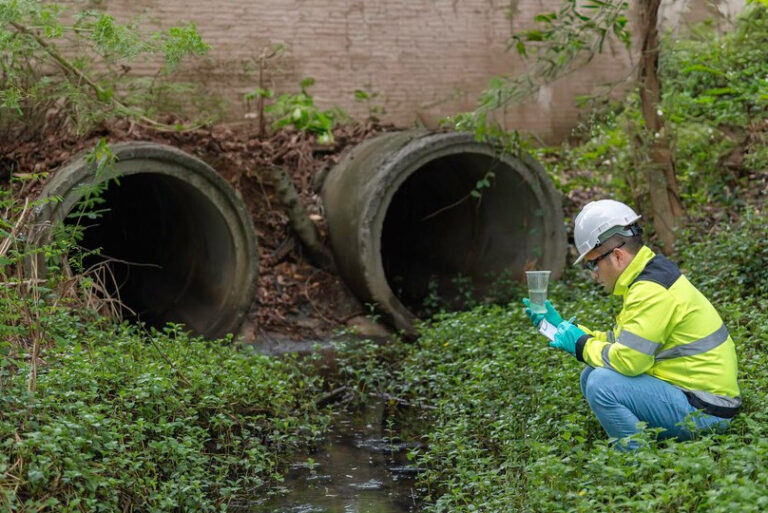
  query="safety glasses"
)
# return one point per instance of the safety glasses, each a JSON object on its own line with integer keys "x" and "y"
{"x": 591, "y": 265}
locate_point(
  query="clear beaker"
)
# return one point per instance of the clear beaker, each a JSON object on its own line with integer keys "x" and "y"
{"x": 537, "y": 289}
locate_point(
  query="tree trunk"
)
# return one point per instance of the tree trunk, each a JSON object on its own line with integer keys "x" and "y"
{"x": 666, "y": 207}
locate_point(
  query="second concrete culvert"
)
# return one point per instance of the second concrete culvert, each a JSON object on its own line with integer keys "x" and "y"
{"x": 402, "y": 218}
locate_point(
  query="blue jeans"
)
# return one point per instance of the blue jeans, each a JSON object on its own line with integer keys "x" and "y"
{"x": 620, "y": 402}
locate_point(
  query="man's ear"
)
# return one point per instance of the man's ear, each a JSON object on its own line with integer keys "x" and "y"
{"x": 625, "y": 256}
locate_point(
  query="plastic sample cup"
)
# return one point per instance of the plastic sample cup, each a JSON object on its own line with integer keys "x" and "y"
{"x": 537, "y": 289}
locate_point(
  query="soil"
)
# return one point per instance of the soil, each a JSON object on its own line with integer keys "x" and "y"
{"x": 294, "y": 300}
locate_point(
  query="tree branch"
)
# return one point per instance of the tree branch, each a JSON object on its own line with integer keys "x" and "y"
{"x": 70, "y": 70}
{"x": 299, "y": 218}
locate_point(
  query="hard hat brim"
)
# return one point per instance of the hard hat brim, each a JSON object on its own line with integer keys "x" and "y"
{"x": 581, "y": 257}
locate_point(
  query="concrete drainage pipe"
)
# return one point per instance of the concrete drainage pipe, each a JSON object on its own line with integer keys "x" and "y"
{"x": 180, "y": 243}
{"x": 402, "y": 217}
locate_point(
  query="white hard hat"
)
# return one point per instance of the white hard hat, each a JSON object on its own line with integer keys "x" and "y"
{"x": 598, "y": 221}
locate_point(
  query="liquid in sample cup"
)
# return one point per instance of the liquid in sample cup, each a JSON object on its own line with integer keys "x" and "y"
{"x": 537, "y": 289}
{"x": 538, "y": 297}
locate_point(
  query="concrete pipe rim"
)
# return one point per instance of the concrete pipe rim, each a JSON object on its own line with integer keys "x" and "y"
{"x": 135, "y": 158}
{"x": 406, "y": 162}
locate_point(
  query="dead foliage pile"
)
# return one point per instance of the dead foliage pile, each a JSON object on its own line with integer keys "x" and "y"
{"x": 294, "y": 299}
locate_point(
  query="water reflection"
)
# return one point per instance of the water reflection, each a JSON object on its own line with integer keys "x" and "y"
{"x": 361, "y": 467}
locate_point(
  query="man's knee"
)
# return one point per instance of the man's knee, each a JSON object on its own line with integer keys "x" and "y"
{"x": 599, "y": 385}
{"x": 584, "y": 378}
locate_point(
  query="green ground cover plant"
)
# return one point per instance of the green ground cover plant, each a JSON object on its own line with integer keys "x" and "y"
{"x": 123, "y": 420}
{"x": 512, "y": 432}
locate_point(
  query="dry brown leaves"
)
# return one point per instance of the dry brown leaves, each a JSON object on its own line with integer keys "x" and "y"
{"x": 294, "y": 299}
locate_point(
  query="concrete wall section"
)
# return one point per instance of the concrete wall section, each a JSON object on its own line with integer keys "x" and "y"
{"x": 425, "y": 58}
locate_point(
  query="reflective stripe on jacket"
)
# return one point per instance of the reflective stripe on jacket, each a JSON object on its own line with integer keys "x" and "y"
{"x": 668, "y": 329}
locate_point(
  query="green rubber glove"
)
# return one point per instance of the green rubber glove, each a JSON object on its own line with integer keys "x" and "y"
{"x": 566, "y": 337}
{"x": 550, "y": 315}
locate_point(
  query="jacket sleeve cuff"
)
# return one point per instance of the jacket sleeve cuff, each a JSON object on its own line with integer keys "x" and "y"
{"x": 580, "y": 343}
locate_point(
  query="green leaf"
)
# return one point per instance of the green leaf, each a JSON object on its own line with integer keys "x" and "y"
{"x": 701, "y": 67}
{"x": 307, "y": 82}
{"x": 533, "y": 35}
{"x": 545, "y": 18}
{"x": 10, "y": 99}
{"x": 520, "y": 47}
{"x": 180, "y": 42}
{"x": 105, "y": 94}
{"x": 720, "y": 91}
{"x": 35, "y": 476}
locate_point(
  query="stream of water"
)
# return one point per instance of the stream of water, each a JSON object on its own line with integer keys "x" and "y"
{"x": 360, "y": 467}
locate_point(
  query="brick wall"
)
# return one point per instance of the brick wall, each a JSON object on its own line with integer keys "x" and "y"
{"x": 425, "y": 58}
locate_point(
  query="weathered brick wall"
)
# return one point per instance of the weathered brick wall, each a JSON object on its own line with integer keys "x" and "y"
{"x": 425, "y": 58}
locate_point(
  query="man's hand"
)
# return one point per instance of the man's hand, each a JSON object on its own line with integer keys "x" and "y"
{"x": 550, "y": 315}
{"x": 566, "y": 337}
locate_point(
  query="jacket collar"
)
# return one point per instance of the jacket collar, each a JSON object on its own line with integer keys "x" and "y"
{"x": 634, "y": 268}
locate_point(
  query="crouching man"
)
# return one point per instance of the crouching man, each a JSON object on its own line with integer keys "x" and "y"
{"x": 669, "y": 361}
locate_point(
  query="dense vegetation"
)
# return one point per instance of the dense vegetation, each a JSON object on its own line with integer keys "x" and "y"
{"x": 715, "y": 106}
{"x": 68, "y": 67}
{"x": 97, "y": 415}
{"x": 101, "y": 416}
{"x": 126, "y": 421}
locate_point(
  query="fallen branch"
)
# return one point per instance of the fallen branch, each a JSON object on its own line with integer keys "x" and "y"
{"x": 330, "y": 396}
{"x": 305, "y": 229}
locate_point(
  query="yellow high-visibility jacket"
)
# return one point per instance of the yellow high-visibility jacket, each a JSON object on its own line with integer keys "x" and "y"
{"x": 668, "y": 329}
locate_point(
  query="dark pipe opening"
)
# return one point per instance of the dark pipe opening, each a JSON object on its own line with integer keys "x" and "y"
{"x": 409, "y": 224}
{"x": 440, "y": 240}
{"x": 167, "y": 248}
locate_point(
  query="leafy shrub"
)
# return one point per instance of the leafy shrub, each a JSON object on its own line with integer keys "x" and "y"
{"x": 89, "y": 82}
{"x": 719, "y": 78}
{"x": 299, "y": 111}
{"x": 715, "y": 98}
{"x": 605, "y": 158}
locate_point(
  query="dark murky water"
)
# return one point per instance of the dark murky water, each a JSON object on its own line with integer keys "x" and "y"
{"x": 361, "y": 467}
